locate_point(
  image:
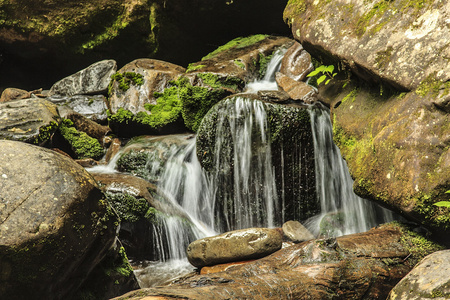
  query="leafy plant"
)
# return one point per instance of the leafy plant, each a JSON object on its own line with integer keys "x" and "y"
{"x": 326, "y": 71}
{"x": 443, "y": 203}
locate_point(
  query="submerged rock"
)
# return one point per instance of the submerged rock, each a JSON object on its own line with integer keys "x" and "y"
{"x": 359, "y": 266}
{"x": 234, "y": 246}
{"x": 55, "y": 224}
{"x": 430, "y": 279}
{"x": 32, "y": 120}
{"x": 92, "y": 80}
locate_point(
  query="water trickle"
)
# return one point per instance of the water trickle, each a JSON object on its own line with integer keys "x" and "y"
{"x": 342, "y": 211}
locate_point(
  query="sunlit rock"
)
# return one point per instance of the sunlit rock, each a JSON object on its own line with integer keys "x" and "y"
{"x": 297, "y": 90}
{"x": 430, "y": 279}
{"x": 92, "y": 80}
{"x": 92, "y": 107}
{"x": 296, "y": 63}
{"x": 233, "y": 246}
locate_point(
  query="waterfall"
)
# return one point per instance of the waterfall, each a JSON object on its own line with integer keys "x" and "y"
{"x": 242, "y": 179}
{"x": 342, "y": 211}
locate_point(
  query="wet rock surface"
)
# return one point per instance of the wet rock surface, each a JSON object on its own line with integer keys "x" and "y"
{"x": 31, "y": 120}
{"x": 359, "y": 266}
{"x": 234, "y": 246}
{"x": 296, "y": 232}
{"x": 55, "y": 224}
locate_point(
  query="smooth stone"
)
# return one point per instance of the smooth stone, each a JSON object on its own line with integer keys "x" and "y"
{"x": 296, "y": 232}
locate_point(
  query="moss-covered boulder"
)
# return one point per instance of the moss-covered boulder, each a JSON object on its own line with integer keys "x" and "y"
{"x": 396, "y": 146}
{"x": 55, "y": 223}
{"x": 31, "y": 120}
{"x": 397, "y": 42}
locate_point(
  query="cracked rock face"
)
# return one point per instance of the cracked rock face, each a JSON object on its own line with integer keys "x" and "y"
{"x": 394, "y": 41}
{"x": 54, "y": 223}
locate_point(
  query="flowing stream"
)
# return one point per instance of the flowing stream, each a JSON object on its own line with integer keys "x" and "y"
{"x": 215, "y": 202}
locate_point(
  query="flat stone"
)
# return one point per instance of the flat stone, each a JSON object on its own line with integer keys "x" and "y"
{"x": 297, "y": 90}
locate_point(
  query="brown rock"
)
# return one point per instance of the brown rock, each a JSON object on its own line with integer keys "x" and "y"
{"x": 317, "y": 269}
{"x": 296, "y": 232}
{"x": 221, "y": 267}
{"x": 296, "y": 63}
{"x": 13, "y": 94}
{"x": 234, "y": 246}
{"x": 297, "y": 90}
{"x": 156, "y": 77}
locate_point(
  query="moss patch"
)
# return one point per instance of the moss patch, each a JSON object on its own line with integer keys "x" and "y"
{"x": 82, "y": 144}
{"x": 129, "y": 208}
{"x": 125, "y": 79}
{"x": 239, "y": 42}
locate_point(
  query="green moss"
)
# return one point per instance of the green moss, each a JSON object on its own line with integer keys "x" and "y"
{"x": 417, "y": 245}
{"x": 133, "y": 162}
{"x": 129, "y": 208}
{"x": 295, "y": 8}
{"x": 351, "y": 96}
{"x": 125, "y": 79}
{"x": 82, "y": 144}
{"x": 377, "y": 11}
{"x": 383, "y": 58}
{"x": 194, "y": 67}
{"x": 433, "y": 86}
{"x": 263, "y": 62}
{"x": 239, "y": 63}
{"x": 239, "y": 42}
{"x": 46, "y": 132}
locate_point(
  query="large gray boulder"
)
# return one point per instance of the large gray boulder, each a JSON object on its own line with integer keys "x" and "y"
{"x": 55, "y": 224}
{"x": 91, "y": 80}
{"x": 31, "y": 120}
{"x": 233, "y": 246}
{"x": 430, "y": 279}
{"x": 393, "y": 41}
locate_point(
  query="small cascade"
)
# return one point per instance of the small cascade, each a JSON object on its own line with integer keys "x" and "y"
{"x": 268, "y": 81}
{"x": 243, "y": 180}
{"x": 342, "y": 211}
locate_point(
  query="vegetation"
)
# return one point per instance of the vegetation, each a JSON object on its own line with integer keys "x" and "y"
{"x": 129, "y": 208}
{"x": 82, "y": 144}
{"x": 125, "y": 79}
{"x": 443, "y": 203}
{"x": 327, "y": 73}
{"x": 239, "y": 42}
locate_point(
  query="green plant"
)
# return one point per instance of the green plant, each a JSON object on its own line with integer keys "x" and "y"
{"x": 443, "y": 203}
{"x": 326, "y": 71}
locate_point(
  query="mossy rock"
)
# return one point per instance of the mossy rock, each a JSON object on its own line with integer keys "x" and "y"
{"x": 397, "y": 149}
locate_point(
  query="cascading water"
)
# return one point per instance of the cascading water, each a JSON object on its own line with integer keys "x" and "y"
{"x": 250, "y": 183}
{"x": 342, "y": 211}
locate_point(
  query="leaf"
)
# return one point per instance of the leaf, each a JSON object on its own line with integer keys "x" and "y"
{"x": 328, "y": 81}
{"x": 321, "y": 78}
{"x": 329, "y": 69}
{"x": 443, "y": 203}
{"x": 313, "y": 73}
{"x": 447, "y": 192}
{"x": 334, "y": 74}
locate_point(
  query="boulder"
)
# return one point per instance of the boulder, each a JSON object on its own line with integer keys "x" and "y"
{"x": 359, "y": 266}
{"x": 296, "y": 63}
{"x": 234, "y": 246}
{"x": 92, "y": 107}
{"x": 395, "y": 42}
{"x": 31, "y": 120}
{"x": 296, "y": 232}
{"x": 397, "y": 149}
{"x": 145, "y": 77}
{"x": 55, "y": 223}
{"x": 14, "y": 94}
{"x": 430, "y": 279}
{"x": 91, "y": 80}
{"x": 297, "y": 90}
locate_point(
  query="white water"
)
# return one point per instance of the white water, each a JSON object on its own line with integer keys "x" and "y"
{"x": 249, "y": 198}
{"x": 335, "y": 186}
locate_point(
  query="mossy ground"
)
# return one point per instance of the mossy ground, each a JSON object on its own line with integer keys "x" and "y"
{"x": 239, "y": 42}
